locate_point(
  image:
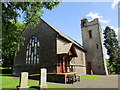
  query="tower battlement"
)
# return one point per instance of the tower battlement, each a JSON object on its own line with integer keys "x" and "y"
{"x": 89, "y": 23}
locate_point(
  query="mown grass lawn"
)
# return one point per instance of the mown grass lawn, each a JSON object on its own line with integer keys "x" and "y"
{"x": 9, "y": 81}
{"x": 90, "y": 76}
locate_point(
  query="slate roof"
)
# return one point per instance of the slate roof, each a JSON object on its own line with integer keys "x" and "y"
{"x": 65, "y": 36}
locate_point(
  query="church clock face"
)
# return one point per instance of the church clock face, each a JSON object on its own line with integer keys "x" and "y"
{"x": 32, "y": 56}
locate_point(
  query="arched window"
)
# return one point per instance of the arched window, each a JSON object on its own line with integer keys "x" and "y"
{"x": 32, "y": 56}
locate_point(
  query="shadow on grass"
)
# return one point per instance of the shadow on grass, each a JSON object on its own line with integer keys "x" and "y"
{"x": 6, "y": 71}
{"x": 8, "y": 89}
{"x": 34, "y": 88}
{"x": 6, "y": 75}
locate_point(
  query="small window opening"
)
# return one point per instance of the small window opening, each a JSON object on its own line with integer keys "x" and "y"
{"x": 84, "y": 24}
{"x": 90, "y": 34}
{"x": 97, "y": 46}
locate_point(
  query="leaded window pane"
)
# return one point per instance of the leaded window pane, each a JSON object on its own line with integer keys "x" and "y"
{"x": 35, "y": 51}
{"x": 35, "y": 39}
{"x": 38, "y": 44}
{"x": 30, "y": 41}
{"x": 27, "y": 46}
{"x": 35, "y": 59}
{"x": 30, "y": 50}
{"x": 32, "y": 44}
{"x": 32, "y": 56}
{"x": 29, "y": 60}
{"x": 27, "y": 53}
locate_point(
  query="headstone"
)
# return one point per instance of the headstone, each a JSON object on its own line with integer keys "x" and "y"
{"x": 91, "y": 72}
{"x": 43, "y": 78}
{"x": 24, "y": 81}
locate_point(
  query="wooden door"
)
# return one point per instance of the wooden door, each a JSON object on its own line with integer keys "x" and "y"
{"x": 66, "y": 61}
{"x": 89, "y": 67}
{"x": 63, "y": 64}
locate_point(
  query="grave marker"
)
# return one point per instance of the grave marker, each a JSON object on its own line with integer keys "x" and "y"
{"x": 43, "y": 78}
{"x": 24, "y": 81}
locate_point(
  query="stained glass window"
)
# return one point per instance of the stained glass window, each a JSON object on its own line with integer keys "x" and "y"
{"x": 32, "y": 56}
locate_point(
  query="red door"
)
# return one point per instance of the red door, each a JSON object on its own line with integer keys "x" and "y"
{"x": 63, "y": 64}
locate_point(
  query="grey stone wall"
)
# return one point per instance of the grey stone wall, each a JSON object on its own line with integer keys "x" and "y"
{"x": 47, "y": 50}
{"x": 94, "y": 46}
{"x": 80, "y": 62}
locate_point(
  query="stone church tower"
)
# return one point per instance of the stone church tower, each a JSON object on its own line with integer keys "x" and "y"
{"x": 92, "y": 42}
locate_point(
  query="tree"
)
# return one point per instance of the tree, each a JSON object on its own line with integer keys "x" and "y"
{"x": 10, "y": 42}
{"x": 12, "y": 29}
{"x": 113, "y": 50}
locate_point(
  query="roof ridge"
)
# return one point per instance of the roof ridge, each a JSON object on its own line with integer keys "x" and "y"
{"x": 64, "y": 35}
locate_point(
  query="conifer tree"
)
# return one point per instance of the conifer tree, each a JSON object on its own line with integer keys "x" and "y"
{"x": 113, "y": 50}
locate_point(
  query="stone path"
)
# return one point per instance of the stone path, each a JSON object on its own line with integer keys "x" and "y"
{"x": 110, "y": 81}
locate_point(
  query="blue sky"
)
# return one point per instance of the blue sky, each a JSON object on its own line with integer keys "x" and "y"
{"x": 66, "y": 16}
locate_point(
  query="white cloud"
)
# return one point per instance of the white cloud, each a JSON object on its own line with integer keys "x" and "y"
{"x": 112, "y": 27}
{"x": 116, "y": 31}
{"x": 104, "y": 21}
{"x": 96, "y": 15}
{"x": 115, "y": 2}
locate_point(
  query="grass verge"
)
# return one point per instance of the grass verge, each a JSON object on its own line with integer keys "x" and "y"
{"x": 9, "y": 81}
{"x": 90, "y": 76}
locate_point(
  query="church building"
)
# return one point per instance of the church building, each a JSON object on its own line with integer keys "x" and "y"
{"x": 47, "y": 47}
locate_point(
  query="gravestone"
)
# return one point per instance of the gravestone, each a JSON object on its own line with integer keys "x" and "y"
{"x": 24, "y": 81}
{"x": 43, "y": 78}
{"x": 91, "y": 72}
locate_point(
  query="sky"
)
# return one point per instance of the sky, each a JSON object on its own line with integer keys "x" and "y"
{"x": 67, "y": 16}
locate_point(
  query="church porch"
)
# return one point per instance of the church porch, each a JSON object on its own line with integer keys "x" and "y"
{"x": 64, "y": 56}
